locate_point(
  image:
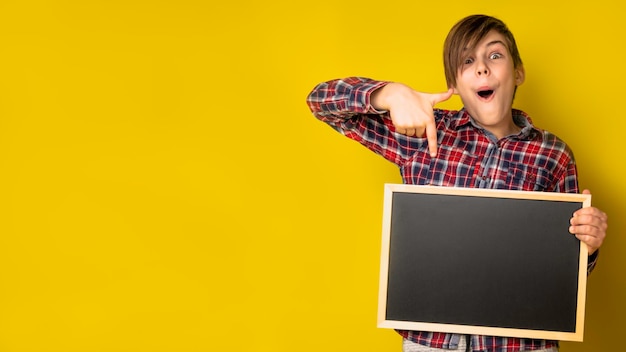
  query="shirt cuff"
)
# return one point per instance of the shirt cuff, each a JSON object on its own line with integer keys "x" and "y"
{"x": 592, "y": 260}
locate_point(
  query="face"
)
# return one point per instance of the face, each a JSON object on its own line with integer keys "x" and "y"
{"x": 486, "y": 82}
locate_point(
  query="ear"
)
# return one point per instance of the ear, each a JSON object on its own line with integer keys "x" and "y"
{"x": 520, "y": 75}
{"x": 454, "y": 91}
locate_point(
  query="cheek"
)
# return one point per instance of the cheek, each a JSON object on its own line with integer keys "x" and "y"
{"x": 464, "y": 89}
{"x": 467, "y": 77}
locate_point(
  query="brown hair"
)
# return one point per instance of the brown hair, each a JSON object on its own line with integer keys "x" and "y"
{"x": 465, "y": 35}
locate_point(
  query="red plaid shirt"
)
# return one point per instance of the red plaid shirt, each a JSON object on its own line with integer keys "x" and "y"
{"x": 467, "y": 156}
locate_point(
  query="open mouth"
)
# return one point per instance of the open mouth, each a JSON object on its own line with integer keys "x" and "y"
{"x": 485, "y": 93}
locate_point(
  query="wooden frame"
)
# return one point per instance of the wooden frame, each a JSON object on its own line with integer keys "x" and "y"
{"x": 480, "y": 261}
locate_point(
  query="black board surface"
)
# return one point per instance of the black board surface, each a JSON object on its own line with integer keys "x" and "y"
{"x": 483, "y": 262}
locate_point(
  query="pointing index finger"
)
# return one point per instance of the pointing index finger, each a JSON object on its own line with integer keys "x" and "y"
{"x": 431, "y": 135}
{"x": 431, "y": 129}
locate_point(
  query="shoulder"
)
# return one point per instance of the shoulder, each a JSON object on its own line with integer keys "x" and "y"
{"x": 550, "y": 144}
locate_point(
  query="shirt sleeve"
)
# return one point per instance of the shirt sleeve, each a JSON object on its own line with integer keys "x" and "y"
{"x": 568, "y": 183}
{"x": 593, "y": 259}
{"x": 343, "y": 98}
{"x": 344, "y": 104}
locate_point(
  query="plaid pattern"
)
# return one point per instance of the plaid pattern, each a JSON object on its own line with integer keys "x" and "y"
{"x": 467, "y": 156}
{"x": 477, "y": 343}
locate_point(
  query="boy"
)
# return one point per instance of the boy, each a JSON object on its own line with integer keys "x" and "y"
{"x": 487, "y": 144}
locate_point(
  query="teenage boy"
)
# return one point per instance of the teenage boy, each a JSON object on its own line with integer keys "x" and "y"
{"x": 487, "y": 144}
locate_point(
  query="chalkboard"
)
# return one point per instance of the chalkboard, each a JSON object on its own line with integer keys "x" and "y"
{"x": 486, "y": 262}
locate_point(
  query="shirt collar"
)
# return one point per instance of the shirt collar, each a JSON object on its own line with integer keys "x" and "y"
{"x": 529, "y": 131}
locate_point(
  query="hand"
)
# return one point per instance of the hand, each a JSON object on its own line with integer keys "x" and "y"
{"x": 411, "y": 112}
{"x": 589, "y": 225}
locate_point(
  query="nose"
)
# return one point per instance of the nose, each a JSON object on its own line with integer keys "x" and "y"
{"x": 481, "y": 69}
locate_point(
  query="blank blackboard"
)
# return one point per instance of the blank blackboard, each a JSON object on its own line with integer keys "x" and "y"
{"x": 487, "y": 262}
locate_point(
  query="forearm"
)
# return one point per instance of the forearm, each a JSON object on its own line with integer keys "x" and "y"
{"x": 343, "y": 98}
{"x": 345, "y": 105}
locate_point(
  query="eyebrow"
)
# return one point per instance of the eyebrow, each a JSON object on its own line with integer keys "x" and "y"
{"x": 494, "y": 42}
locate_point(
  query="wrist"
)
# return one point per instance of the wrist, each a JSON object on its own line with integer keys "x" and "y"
{"x": 379, "y": 99}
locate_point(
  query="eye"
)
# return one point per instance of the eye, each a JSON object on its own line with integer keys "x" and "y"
{"x": 468, "y": 61}
{"x": 494, "y": 56}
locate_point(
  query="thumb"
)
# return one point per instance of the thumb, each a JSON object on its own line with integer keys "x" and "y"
{"x": 586, "y": 191}
{"x": 441, "y": 97}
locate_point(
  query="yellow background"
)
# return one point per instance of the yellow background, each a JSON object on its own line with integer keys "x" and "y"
{"x": 164, "y": 187}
